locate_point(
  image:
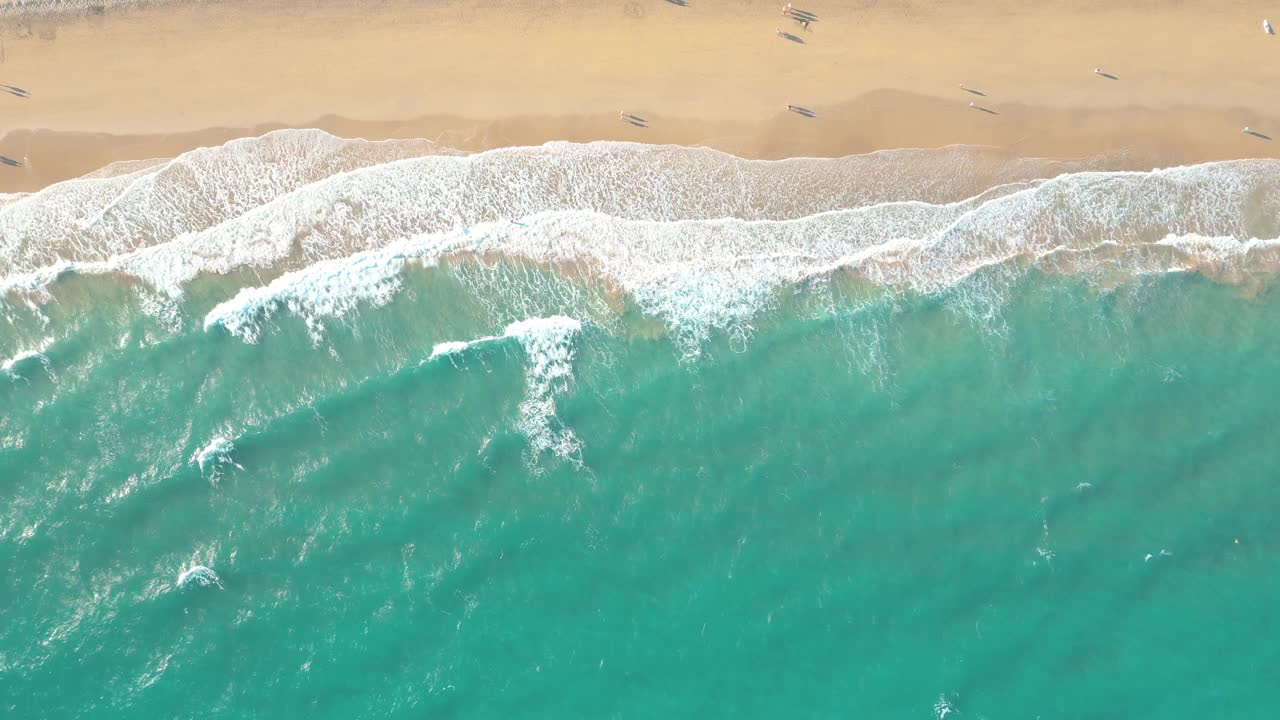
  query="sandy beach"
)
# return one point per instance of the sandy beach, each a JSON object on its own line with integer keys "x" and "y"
{"x": 155, "y": 81}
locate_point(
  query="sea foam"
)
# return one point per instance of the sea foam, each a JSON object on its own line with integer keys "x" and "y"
{"x": 698, "y": 238}
{"x": 294, "y": 197}
{"x": 550, "y": 346}
{"x": 454, "y": 347}
{"x": 13, "y": 365}
{"x": 701, "y": 275}
{"x": 131, "y": 206}
{"x": 215, "y": 453}
{"x": 199, "y": 576}
{"x": 10, "y": 198}
{"x": 21, "y": 8}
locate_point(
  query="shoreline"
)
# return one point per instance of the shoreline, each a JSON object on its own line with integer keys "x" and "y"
{"x": 1132, "y": 138}
{"x": 147, "y": 81}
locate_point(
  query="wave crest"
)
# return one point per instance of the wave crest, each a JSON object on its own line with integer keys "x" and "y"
{"x": 199, "y": 576}
{"x": 706, "y": 274}
{"x": 130, "y": 206}
{"x": 550, "y": 346}
{"x": 295, "y": 197}
{"x": 696, "y": 237}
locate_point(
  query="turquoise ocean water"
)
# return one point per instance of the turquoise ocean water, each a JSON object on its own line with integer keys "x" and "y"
{"x": 498, "y": 483}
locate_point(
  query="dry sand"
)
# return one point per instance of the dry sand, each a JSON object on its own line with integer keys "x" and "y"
{"x": 474, "y": 74}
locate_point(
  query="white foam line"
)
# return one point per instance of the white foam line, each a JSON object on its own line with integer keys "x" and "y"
{"x": 126, "y": 167}
{"x": 717, "y": 273}
{"x": 8, "y": 366}
{"x": 36, "y": 281}
{"x": 326, "y": 289}
{"x": 697, "y": 273}
{"x": 104, "y": 214}
{"x": 172, "y": 264}
{"x": 456, "y": 346}
{"x": 7, "y": 199}
{"x": 25, "y": 8}
{"x": 520, "y": 329}
{"x": 209, "y": 208}
{"x": 88, "y": 181}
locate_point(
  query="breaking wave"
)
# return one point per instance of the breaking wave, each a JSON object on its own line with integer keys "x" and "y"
{"x": 700, "y": 275}
{"x": 698, "y": 238}
{"x": 13, "y": 365}
{"x": 129, "y": 206}
{"x": 549, "y": 346}
{"x": 214, "y": 454}
{"x": 294, "y": 197}
{"x": 199, "y": 576}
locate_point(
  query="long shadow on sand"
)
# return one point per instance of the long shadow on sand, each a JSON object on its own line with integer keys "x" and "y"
{"x": 9, "y": 161}
{"x": 1257, "y": 134}
{"x": 806, "y": 112}
{"x": 792, "y": 38}
{"x": 633, "y": 119}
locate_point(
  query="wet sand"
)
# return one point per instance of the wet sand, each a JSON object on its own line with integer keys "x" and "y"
{"x": 476, "y": 74}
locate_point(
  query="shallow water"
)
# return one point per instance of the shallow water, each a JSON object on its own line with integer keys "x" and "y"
{"x": 522, "y": 480}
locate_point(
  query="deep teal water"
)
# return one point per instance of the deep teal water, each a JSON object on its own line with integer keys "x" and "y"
{"x": 866, "y": 509}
